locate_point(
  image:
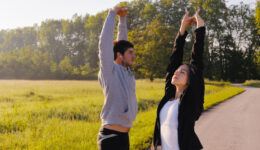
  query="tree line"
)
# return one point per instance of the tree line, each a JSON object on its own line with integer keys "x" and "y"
{"x": 68, "y": 48}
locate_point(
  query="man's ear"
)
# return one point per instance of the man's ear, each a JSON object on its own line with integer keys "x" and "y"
{"x": 118, "y": 55}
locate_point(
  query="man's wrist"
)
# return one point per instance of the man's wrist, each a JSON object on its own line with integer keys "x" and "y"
{"x": 111, "y": 12}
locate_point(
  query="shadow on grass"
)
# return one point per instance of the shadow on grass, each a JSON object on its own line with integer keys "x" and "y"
{"x": 217, "y": 84}
{"x": 255, "y": 85}
{"x": 6, "y": 100}
{"x": 12, "y": 126}
{"x": 33, "y": 96}
{"x": 145, "y": 104}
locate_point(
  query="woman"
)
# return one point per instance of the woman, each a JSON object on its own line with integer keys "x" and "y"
{"x": 183, "y": 101}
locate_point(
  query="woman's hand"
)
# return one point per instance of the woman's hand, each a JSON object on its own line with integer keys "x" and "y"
{"x": 199, "y": 20}
{"x": 120, "y": 11}
{"x": 186, "y": 21}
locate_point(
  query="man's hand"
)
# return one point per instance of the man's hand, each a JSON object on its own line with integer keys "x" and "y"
{"x": 123, "y": 11}
{"x": 199, "y": 20}
{"x": 186, "y": 21}
{"x": 120, "y": 11}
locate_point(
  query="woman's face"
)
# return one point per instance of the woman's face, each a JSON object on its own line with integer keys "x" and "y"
{"x": 181, "y": 76}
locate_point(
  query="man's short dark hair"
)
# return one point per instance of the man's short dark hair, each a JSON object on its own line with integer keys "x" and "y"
{"x": 121, "y": 46}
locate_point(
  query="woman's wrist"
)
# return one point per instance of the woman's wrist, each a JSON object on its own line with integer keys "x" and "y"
{"x": 201, "y": 25}
{"x": 200, "y": 22}
{"x": 182, "y": 30}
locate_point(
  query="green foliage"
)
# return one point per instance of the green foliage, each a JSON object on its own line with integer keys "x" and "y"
{"x": 152, "y": 49}
{"x": 65, "y": 67}
{"x": 257, "y": 16}
{"x": 254, "y": 83}
{"x": 68, "y": 48}
{"x": 34, "y": 64}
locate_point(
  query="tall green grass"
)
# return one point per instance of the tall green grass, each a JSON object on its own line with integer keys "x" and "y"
{"x": 65, "y": 114}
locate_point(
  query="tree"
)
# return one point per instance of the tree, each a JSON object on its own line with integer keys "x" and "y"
{"x": 18, "y": 38}
{"x": 65, "y": 68}
{"x": 51, "y": 39}
{"x": 93, "y": 29}
{"x": 69, "y": 48}
{"x": 153, "y": 49}
{"x": 257, "y": 16}
{"x": 75, "y": 37}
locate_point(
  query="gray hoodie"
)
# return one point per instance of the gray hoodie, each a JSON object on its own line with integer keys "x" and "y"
{"x": 117, "y": 82}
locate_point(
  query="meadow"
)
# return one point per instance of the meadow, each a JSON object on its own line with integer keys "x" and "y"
{"x": 55, "y": 115}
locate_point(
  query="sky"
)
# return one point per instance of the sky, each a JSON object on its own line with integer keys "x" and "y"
{"x": 21, "y": 13}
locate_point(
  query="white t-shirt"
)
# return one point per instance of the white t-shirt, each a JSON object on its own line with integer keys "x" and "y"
{"x": 169, "y": 125}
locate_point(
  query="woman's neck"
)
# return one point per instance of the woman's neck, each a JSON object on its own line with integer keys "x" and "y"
{"x": 179, "y": 92}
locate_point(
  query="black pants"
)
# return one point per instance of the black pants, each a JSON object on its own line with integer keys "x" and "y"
{"x": 112, "y": 140}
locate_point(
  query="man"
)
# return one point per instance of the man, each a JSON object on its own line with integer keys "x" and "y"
{"x": 118, "y": 83}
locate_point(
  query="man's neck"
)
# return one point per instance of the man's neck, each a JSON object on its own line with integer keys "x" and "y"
{"x": 121, "y": 63}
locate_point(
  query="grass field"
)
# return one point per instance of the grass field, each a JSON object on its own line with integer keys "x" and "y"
{"x": 40, "y": 115}
{"x": 253, "y": 83}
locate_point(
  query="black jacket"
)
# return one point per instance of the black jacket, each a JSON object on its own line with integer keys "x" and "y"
{"x": 192, "y": 99}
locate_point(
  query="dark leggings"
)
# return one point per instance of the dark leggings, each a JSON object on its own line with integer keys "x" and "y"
{"x": 112, "y": 140}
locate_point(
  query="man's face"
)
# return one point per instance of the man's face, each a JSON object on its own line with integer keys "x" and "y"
{"x": 129, "y": 57}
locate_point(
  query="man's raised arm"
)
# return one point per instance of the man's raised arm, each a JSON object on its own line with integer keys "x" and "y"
{"x": 122, "y": 26}
{"x": 106, "y": 54}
